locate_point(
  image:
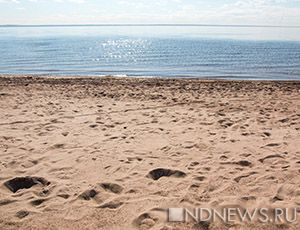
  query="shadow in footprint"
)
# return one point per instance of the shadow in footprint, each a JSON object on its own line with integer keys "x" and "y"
{"x": 110, "y": 187}
{"x": 243, "y": 163}
{"x": 25, "y": 183}
{"x": 161, "y": 172}
{"x": 200, "y": 178}
{"x": 6, "y": 202}
{"x": 37, "y": 202}
{"x": 88, "y": 195}
{"x": 203, "y": 225}
{"x": 22, "y": 214}
{"x": 112, "y": 205}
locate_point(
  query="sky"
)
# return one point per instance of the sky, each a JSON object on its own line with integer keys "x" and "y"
{"x": 229, "y": 12}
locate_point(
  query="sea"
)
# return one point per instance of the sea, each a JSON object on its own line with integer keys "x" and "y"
{"x": 167, "y": 51}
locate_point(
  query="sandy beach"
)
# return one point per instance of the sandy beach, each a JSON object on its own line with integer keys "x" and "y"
{"x": 117, "y": 153}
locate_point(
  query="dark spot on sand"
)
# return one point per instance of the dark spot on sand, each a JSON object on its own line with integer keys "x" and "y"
{"x": 284, "y": 120}
{"x": 161, "y": 172}
{"x": 112, "y": 205}
{"x": 89, "y": 194}
{"x": 114, "y": 188}
{"x": 22, "y": 214}
{"x": 58, "y": 146}
{"x": 24, "y": 183}
{"x": 195, "y": 163}
{"x": 272, "y": 145}
{"x": 248, "y": 198}
{"x": 4, "y": 94}
{"x": 203, "y": 225}
{"x": 65, "y": 196}
{"x": 65, "y": 134}
{"x": 6, "y": 202}
{"x": 244, "y": 163}
{"x": 37, "y": 202}
{"x": 277, "y": 198}
{"x": 267, "y": 134}
{"x": 200, "y": 178}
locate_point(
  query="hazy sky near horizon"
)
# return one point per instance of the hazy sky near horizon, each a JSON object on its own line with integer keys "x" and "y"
{"x": 245, "y": 12}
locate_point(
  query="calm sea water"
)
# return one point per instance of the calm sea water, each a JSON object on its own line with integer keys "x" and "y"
{"x": 164, "y": 51}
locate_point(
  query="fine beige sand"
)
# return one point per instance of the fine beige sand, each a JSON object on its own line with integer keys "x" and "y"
{"x": 116, "y": 153}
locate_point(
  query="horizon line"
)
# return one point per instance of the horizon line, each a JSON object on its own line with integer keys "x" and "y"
{"x": 145, "y": 24}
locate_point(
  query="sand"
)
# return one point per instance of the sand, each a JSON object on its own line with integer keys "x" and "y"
{"x": 116, "y": 153}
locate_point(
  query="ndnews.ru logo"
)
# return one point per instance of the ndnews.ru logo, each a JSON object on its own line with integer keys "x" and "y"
{"x": 263, "y": 215}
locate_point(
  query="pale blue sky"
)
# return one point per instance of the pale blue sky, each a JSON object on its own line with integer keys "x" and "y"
{"x": 259, "y": 12}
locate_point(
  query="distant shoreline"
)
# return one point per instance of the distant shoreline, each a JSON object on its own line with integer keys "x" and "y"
{"x": 139, "y": 25}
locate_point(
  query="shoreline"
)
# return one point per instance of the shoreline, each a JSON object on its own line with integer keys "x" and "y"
{"x": 154, "y": 78}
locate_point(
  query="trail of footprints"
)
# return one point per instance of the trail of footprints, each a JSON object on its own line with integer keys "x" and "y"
{"x": 42, "y": 189}
{"x": 238, "y": 169}
{"x": 194, "y": 169}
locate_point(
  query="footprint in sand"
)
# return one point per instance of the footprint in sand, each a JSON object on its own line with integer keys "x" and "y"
{"x": 93, "y": 194}
{"x": 243, "y": 163}
{"x": 88, "y": 195}
{"x": 112, "y": 205}
{"x": 37, "y": 202}
{"x": 270, "y": 156}
{"x": 286, "y": 191}
{"x": 192, "y": 165}
{"x": 226, "y": 123}
{"x": 6, "y": 202}
{"x": 162, "y": 172}
{"x": 65, "y": 134}
{"x": 22, "y": 214}
{"x": 30, "y": 163}
{"x": 200, "y": 178}
{"x": 58, "y": 146}
{"x": 145, "y": 221}
{"x": 132, "y": 159}
{"x": 111, "y": 187}
{"x": 18, "y": 183}
{"x": 272, "y": 145}
{"x": 237, "y": 179}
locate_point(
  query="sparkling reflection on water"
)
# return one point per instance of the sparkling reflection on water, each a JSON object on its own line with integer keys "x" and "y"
{"x": 152, "y": 51}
